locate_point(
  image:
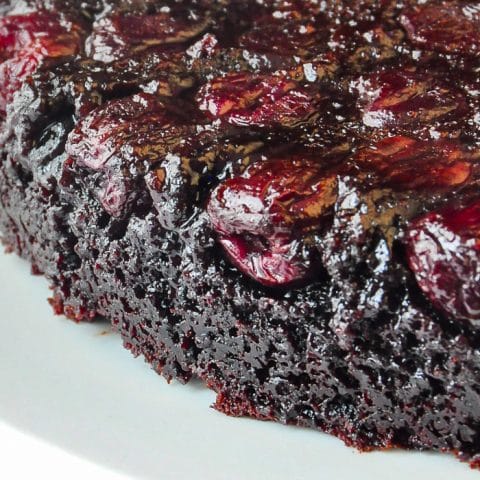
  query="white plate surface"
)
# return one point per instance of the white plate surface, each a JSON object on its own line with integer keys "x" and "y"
{"x": 74, "y": 386}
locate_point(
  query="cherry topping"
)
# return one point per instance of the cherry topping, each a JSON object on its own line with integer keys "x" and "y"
{"x": 285, "y": 37}
{"x": 404, "y": 163}
{"x": 244, "y": 99}
{"x": 401, "y": 98}
{"x": 111, "y": 130}
{"x": 444, "y": 254}
{"x": 117, "y": 36}
{"x": 448, "y": 27}
{"x": 121, "y": 138}
{"x": 264, "y": 217}
{"x": 26, "y": 41}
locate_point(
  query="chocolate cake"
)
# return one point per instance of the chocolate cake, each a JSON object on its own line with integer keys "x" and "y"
{"x": 278, "y": 197}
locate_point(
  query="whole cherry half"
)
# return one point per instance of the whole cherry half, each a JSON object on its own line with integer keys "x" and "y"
{"x": 444, "y": 254}
{"x": 286, "y": 34}
{"x": 403, "y": 163}
{"x": 121, "y": 139}
{"x": 407, "y": 98}
{"x": 27, "y": 41}
{"x": 448, "y": 27}
{"x": 117, "y": 129}
{"x": 245, "y": 99}
{"x": 119, "y": 35}
{"x": 264, "y": 218}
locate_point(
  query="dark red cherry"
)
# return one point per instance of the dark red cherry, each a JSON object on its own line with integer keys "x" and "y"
{"x": 264, "y": 216}
{"x": 403, "y": 98}
{"x": 117, "y": 36}
{"x": 444, "y": 254}
{"x": 272, "y": 267}
{"x": 119, "y": 138}
{"x": 404, "y": 163}
{"x": 244, "y": 99}
{"x": 449, "y": 27}
{"x": 284, "y": 35}
{"x": 26, "y": 41}
{"x": 116, "y": 130}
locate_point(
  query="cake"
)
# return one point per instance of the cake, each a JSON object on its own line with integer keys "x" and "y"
{"x": 277, "y": 197}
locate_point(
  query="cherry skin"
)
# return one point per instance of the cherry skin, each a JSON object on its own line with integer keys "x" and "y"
{"x": 244, "y": 99}
{"x": 120, "y": 137}
{"x": 118, "y": 36}
{"x": 408, "y": 99}
{"x": 285, "y": 37}
{"x": 444, "y": 254}
{"x": 26, "y": 42}
{"x": 403, "y": 163}
{"x": 101, "y": 137}
{"x": 264, "y": 216}
{"x": 448, "y": 27}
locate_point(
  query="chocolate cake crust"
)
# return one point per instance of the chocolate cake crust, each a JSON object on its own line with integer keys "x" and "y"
{"x": 279, "y": 198}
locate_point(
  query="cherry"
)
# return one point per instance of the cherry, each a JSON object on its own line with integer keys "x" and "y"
{"x": 109, "y": 131}
{"x": 402, "y": 98}
{"x": 404, "y": 163}
{"x": 285, "y": 36}
{"x": 444, "y": 254}
{"x": 245, "y": 99}
{"x": 117, "y": 36}
{"x": 26, "y": 41}
{"x": 264, "y": 216}
{"x": 448, "y": 27}
{"x": 121, "y": 138}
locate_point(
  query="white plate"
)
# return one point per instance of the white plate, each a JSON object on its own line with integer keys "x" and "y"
{"x": 75, "y": 387}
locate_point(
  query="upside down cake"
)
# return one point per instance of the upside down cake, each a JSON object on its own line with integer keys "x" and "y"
{"x": 280, "y": 198}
